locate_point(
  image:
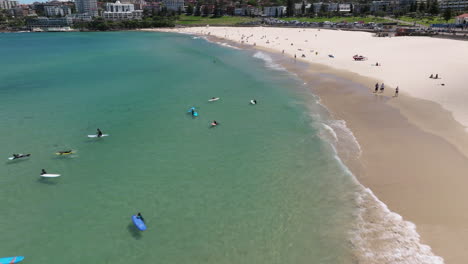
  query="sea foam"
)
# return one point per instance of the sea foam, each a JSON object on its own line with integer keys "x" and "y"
{"x": 268, "y": 61}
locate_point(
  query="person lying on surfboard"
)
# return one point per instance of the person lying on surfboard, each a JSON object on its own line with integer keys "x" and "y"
{"x": 17, "y": 156}
{"x": 214, "y": 123}
{"x": 65, "y": 152}
{"x": 139, "y": 216}
{"x": 99, "y": 133}
{"x": 43, "y": 172}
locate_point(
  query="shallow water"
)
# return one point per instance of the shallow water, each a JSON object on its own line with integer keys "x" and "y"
{"x": 262, "y": 187}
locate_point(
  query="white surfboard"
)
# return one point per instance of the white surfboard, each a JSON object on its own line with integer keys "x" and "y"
{"x": 252, "y": 102}
{"x": 213, "y": 99}
{"x": 50, "y": 175}
{"x": 95, "y": 136}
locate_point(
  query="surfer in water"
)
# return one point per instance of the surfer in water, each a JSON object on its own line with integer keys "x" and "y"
{"x": 43, "y": 172}
{"x": 65, "y": 152}
{"x": 99, "y": 133}
{"x": 192, "y": 111}
{"x": 214, "y": 123}
{"x": 18, "y": 156}
{"x": 139, "y": 216}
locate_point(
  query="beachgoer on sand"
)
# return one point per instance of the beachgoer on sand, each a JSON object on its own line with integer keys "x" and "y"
{"x": 376, "y": 88}
{"x": 437, "y": 76}
{"x": 382, "y": 87}
{"x": 432, "y": 76}
{"x": 396, "y": 91}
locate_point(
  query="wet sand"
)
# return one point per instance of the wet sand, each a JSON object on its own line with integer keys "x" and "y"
{"x": 408, "y": 157}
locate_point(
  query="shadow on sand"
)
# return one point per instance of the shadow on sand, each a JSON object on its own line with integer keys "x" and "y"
{"x": 134, "y": 231}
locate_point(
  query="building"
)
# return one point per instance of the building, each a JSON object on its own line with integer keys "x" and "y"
{"x": 80, "y": 17}
{"x": 121, "y": 11}
{"x": 87, "y": 7}
{"x": 57, "y": 10}
{"x": 455, "y": 5}
{"x": 138, "y": 4}
{"x": 49, "y": 24}
{"x": 8, "y": 4}
{"x": 298, "y": 8}
{"x": 21, "y": 11}
{"x": 377, "y": 6}
{"x": 462, "y": 19}
{"x": 344, "y": 8}
{"x": 273, "y": 11}
{"x": 174, "y": 5}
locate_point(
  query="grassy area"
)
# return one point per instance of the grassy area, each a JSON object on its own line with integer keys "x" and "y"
{"x": 339, "y": 19}
{"x": 225, "y": 20}
{"x": 427, "y": 21}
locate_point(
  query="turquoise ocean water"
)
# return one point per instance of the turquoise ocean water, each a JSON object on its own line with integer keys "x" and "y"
{"x": 262, "y": 187}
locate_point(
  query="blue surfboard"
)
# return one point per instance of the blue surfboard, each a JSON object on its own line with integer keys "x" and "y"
{"x": 138, "y": 223}
{"x": 11, "y": 260}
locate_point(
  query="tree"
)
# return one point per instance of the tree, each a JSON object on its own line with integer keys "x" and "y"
{"x": 303, "y": 8}
{"x": 447, "y": 14}
{"x": 311, "y": 10}
{"x": 323, "y": 9}
{"x": 216, "y": 12}
{"x": 205, "y": 10}
{"x": 189, "y": 9}
{"x": 197, "y": 10}
{"x": 290, "y": 8}
{"x": 252, "y": 3}
{"x": 413, "y": 7}
{"x": 434, "y": 9}
{"x": 422, "y": 7}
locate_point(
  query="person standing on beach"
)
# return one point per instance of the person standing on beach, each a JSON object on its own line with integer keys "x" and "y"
{"x": 396, "y": 92}
{"x": 376, "y": 88}
{"x": 382, "y": 87}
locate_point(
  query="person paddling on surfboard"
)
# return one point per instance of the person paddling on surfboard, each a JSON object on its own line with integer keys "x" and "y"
{"x": 99, "y": 133}
{"x": 16, "y": 156}
{"x": 65, "y": 152}
{"x": 139, "y": 216}
{"x": 43, "y": 172}
{"x": 214, "y": 123}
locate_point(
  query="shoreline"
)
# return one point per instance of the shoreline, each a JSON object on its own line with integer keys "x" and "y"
{"x": 420, "y": 175}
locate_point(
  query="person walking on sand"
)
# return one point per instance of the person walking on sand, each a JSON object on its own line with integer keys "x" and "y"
{"x": 396, "y": 92}
{"x": 437, "y": 76}
{"x": 432, "y": 76}
{"x": 382, "y": 87}
{"x": 376, "y": 88}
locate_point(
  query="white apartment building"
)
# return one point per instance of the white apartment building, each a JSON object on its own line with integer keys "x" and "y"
{"x": 272, "y": 11}
{"x": 8, "y": 4}
{"x": 174, "y": 5}
{"x": 87, "y": 7}
{"x": 121, "y": 11}
{"x": 54, "y": 11}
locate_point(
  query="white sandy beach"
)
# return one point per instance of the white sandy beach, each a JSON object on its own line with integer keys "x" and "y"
{"x": 414, "y": 147}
